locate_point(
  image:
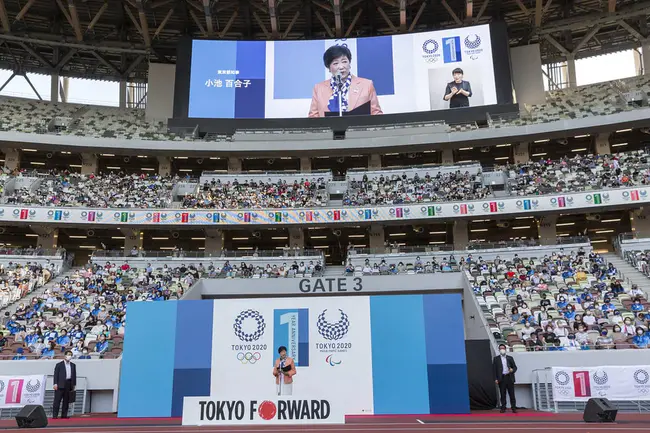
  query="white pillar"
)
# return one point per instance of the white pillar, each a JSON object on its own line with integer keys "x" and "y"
{"x": 89, "y": 163}
{"x": 374, "y": 161}
{"x": 377, "y": 239}
{"x": 132, "y": 239}
{"x": 213, "y": 242}
{"x": 122, "y": 93}
{"x": 234, "y": 165}
{"x": 521, "y": 153}
{"x": 601, "y": 145}
{"x": 547, "y": 230}
{"x": 305, "y": 164}
{"x": 461, "y": 235}
{"x": 645, "y": 58}
{"x": 571, "y": 71}
{"x": 297, "y": 238}
{"x": 12, "y": 159}
{"x": 448, "y": 156}
{"x": 164, "y": 166}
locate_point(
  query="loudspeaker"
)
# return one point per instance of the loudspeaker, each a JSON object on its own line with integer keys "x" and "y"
{"x": 599, "y": 410}
{"x": 31, "y": 416}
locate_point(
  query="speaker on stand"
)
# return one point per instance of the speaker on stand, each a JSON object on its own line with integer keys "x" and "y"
{"x": 31, "y": 416}
{"x": 599, "y": 410}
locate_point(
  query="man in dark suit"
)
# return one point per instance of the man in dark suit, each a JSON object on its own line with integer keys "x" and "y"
{"x": 65, "y": 382}
{"x": 504, "y": 376}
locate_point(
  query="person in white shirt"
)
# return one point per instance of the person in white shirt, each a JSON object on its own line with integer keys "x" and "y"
{"x": 589, "y": 318}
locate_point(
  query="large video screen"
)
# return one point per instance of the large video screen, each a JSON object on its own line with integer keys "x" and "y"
{"x": 446, "y": 69}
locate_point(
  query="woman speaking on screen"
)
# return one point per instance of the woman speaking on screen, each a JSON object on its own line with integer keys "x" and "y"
{"x": 343, "y": 89}
{"x": 284, "y": 371}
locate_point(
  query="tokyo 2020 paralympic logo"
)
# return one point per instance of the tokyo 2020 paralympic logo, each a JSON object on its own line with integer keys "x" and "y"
{"x": 333, "y": 330}
{"x": 248, "y": 315}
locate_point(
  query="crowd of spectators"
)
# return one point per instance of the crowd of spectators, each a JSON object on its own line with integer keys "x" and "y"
{"x": 579, "y": 173}
{"x": 86, "y": 312}
{"x": 389, "y": 266}
{"x": 252, "y": 194}
{"x": 250, "y": 270}
{"x": 17, "y": 280}
{"x": 396, "y": 189}
{"x": 562, "y": 302}
{"x": 100, "y": 191}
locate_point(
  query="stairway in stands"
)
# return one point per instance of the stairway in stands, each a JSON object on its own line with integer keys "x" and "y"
{"x": 628, "y": 272}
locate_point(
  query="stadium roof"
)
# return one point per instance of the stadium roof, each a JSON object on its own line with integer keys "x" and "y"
{"x": 115, "y": 39}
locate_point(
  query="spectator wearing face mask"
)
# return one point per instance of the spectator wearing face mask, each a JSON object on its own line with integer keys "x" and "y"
{"x": 637, "y": 306}
{"x": 589, "y": 318}
{"x": 504, "y": 376}
{"x": 582, "y": 337}
{"x": 102, "y": 345}
{"x": 65, "y": 383}
{"x": 63, "y": 340}
{"x": 640, "y": 340}
{"x": 604, "y": 340}
{"x": 50, "y": 351}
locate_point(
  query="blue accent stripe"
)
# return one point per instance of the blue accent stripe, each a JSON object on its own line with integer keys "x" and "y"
{"x": 444, "y": 312}
{"x": 194, "y": 335}
{"x": 448, "y": 389}
{"x": 189, "y": 383}
{"x": 147, "y": 376}
{"x": 397, "y": 323}
{"x": 447, "y": 369}
{"x": 376, "y": 63}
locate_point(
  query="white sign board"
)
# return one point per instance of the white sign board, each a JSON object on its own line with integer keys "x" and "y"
{"x": 18, "y": 391}
{"x": 618, "y": 383}
{"x": 274, "y": 410}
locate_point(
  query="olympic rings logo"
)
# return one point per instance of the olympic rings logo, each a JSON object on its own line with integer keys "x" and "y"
{"x": 248, "y": 357}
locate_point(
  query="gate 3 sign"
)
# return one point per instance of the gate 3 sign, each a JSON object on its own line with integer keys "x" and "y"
{"x": 330, "y": 285}
{"x": 274, "y": 410}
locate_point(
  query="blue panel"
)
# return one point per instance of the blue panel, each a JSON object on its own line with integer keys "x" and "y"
{"x": 451, "y": 50}
{"x": 189, "y": 383}
{"x": 194, "y": 335}
{"x": 448, "y": 389}
{"x": 443, "y": 315}
{"x": 250, "y": 99}
{"x": 375, "y": 62}
{"x": 291, "y": 330}
{"x": 397, "y": 332}
{"x": 251, "y": 59}
{"x": 212, "y": 92}
{"x": 297, "y": 67}
{"x": 147, "y": 375}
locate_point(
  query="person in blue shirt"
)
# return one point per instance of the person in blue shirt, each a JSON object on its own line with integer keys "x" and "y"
{"x": 84, "y": 354}
{"x": 31, "y": 337}
{"x": 63, "y": 340}
{"x": 12, "y": 325}
{"x": 51, "y": 334}
{"x": 19, "y": 355}
{"x": 640, "y": 340}
{"x": 570, "y": 312}
{"x": 77, "y": 334}
{"x": 49, "y": 352}
{"x": 101, "y": 345}
{"x": 637, "y": 306}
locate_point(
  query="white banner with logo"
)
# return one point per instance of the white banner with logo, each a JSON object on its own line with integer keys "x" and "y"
{"x": 327, "y": 337}
{"x": 18, "y": 391}
{"x": 618, "y": 383}
{"x": 273, "y": 410}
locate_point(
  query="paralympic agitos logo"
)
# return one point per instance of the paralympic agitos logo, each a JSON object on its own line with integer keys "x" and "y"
{"x": 240, "y": 410}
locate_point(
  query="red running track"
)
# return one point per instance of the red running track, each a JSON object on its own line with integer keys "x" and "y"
{"x": 524, "y": 422}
